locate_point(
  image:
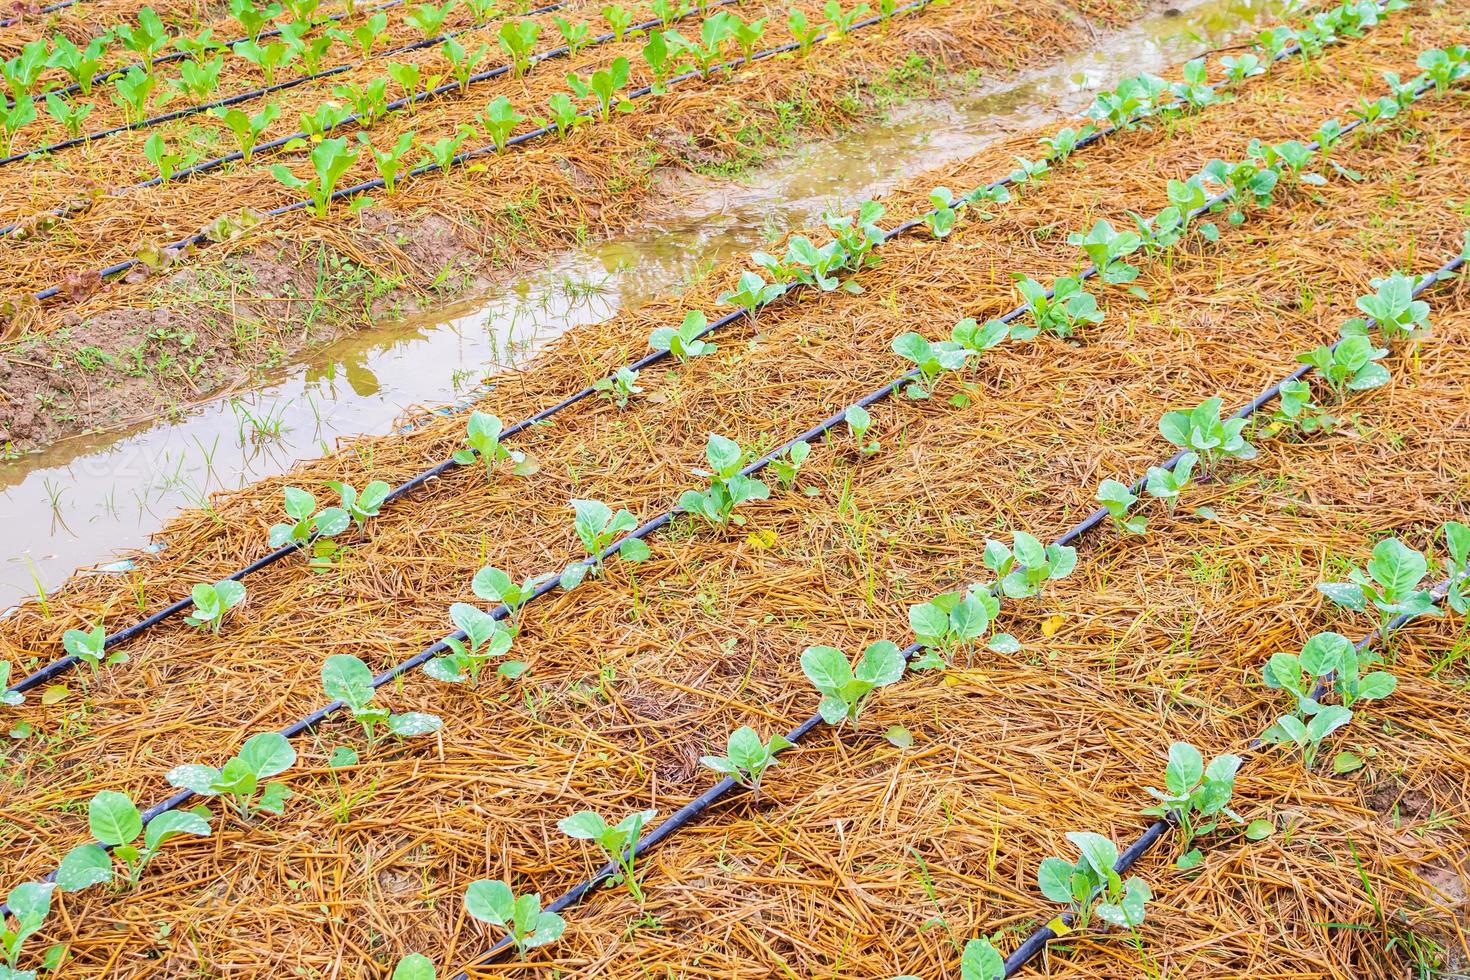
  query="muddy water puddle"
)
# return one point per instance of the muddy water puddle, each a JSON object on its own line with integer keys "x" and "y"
{"x": 86, "y": 499}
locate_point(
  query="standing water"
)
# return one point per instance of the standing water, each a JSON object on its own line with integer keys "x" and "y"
{"x": 85, "y": 499}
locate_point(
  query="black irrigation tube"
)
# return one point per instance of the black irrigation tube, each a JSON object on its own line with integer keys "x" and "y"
{"x": 251, "y": 95}
{"x": 700, "y": 804}
{"x": 199, "y": 238}
{"x": 172, "y": 56}
{"x": 62, "y": 664}
{"x": 1038, "y": 940}
{"x": 49, "y": 9}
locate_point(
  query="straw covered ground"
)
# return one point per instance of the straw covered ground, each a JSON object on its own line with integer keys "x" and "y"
{"x": 860, "y": 859}
{"x": 97, "y": 359}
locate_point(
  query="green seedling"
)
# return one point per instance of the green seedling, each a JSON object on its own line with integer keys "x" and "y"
{"x": 212, "y": 602}
{"x": 330, "y": 159}
{"x": 656, "y": 52}
{"x": 1327, "y": 662}
{"x": 132, "y": 91}
{"x": 930, "y": 360}
{"x": 1202, "y": 431}
{"x": 463, "y": 62}
{"x": 482, "y": 437}
{"x": 414, "y": 966}
{"x": 241, "y": 782}
{"x": 365, "y": 36}
{"x": 369, "y": 101}
{"x": 1065, "y": 141}
{"x": 90, "y": 647}
{"x": 1390, "y": 585}
{"x": 1082, "y": 884}
{"x": 269, "y": 58}
{"x": 1456, "y": 565}
{"x": 522, "y": 918}
{"x": 1167, "y": 484}
{"x": 1022, "y": 572}
{"x": 30, "y": 904}
{"x": 747, "y": 36}
{"x": 564, "y": 114}
{"x": 493, "y": 585}
{"x": 1029, "y": 170}
{"x": 1246, "y": 183}
{"x": 1398, "y": 314}
{"x": 597, "y": 528}
{"x": 412, "y": 80}
{"x": 82, "y": 66}
{"x": 518, "y": 40}
{"x": 949, "y": 623}
{"x": 1238, "y": 69}
{"x": 361, "y": 506}
{"x": 806, "y": 263}
{"x": 728, "y": 486}
{"x": 618, "y": 843}
{"x": 857, "y": 236}
{"x": 1195, "y": 90}
{"x": 115, "y": 822}
{"x": 971, "y": 339}
{"x": 147, "y": 38}
{"x": 981, "y": 961}
{"x": 199, "y": 79}
{"x": 1119, "y": 499}
{"x": 1194, "y": 796}
{"x": 602, "y": 88}
{"x": 1350, "y": 365}
{"x": 499, "y": 121}
{"x": 486, "y": 639}
{"x": 392, "y": 162}
{"x": 619, "y": 19}
{"x": 803, "y": 31}
{"x": 303, "y": 13}
{"x": 859, "y": 422}
{"x": 1296, "y": 408}
{"x": 751, "y": 293}
{"x": 1445, "y": 66}
{"x": 428, "y": 19}
{"x": 1290, "y": 156}
{"x": 1123, "y": 107}
{"x": 619, "y": 387}
{"x": 940, "y": 219}
{"x": 442, "y": 153}
{"x": 747, "y": 758}
{"x": 705, "y": 52}
{"x": 252, "y": 18}
{"x": 839, "y": 21}
{"x": 684, "y": 342}
{"x": 167, "y": 160}
{"x": 311, "y": 52}
{"x": 24, "y": 71}
{"x": 306, "y": 521}
{"x": 845, "y": 690}
{"x": 1273, "y": 43}
{"x": 1308, "y": 736}
{"x": 1061, "y": 311}
{"x": 1106, "y": 249}
{"x": 574, "y": 34}
{"x": 247, "y": 128}
{"x": 788, "y": 465}
{"x": 347, "y": 679}
{"x": 13, "y": 119}
{"x": 322, "y": 120}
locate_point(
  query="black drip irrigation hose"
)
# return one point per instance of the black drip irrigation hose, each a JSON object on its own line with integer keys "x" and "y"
{"x": 200, "y": 238}
{"x": 172, "y": 56}
{"x": 249, "y": 96}
{"x": 700, "y": 804}
{"x": 49, "y": 9}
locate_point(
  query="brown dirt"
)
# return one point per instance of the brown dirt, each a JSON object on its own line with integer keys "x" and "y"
{"x": 1151, "y": 639}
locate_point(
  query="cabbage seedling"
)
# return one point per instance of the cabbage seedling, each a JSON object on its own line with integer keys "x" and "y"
{"x": 1023, "y": 572}
{"x": 199, "y": 78}
{"x": 145, "y": 40}
{"x": 971, "y": 339}
{"x": 575, "y": 35}
{"x": 347, "y": 679}
{"x": 656, "y": 53}
{"x": 598, "y": 527}
{"x": 1390, "y": 585}
{"x": 131, "y": 93}
{"x": 802, "y": 30}
{"x": 618, "y": 843}
{"x": 414, "y": 966}
{"x": 15, "y": 118}
{"x": 211, "y": 602}
{"x": 1456, "y": 565}
{"x": 565, "y": 116}
{"x": 1106, "y": 249}
{"x": 1272, "y": 43}
{"x": 306, "y": 520}
{"x": 1351, "y": 365}
{"x": 1064, "y": 142}
{"x": 485, "y": 639}
{"x": 90, "y": 647}
{"x": 1296, "y": 407}
{"x": 482, "y": 436}
{"x": 462, "y": 63}
{"x": 1092, "y": 877}
{"x": 1201, "y": 430}
{"x": 1399, "y": 315}
{"x": 442, "y": 152}
{"x": 80, "y": 65}
{"x": 22, "y": 72}
{"x": 856, "y": 236}
{"x": 392, "y": 162}
{"x": 1067, "y": 307}
{"x": 1194, "y": 795}
{"x": 165, "y": 160}
{"x": 839, "y": 21}
{"x": 247, "y": 128}
{"x": 269, "y": 58}
{"x": 1239, "y": 69}
{"x": 949, "y": 622}
{"x": 1322, "y": 659}
{"x": 522, "y": 918}
{"x": 941, "y": 217}
{"x": 369, "y": 101}
{"x": 746, "y": 758}
{"x": 728, "y": 486}
{"x": 116, "y": 822}
{"x": 30, "y": 904}
{"x": 1168, "y": 484}
{"x": 498, "y": 121}
{"x": 932, "y": 360}
{"x": 365, "y": 36}
{"x": 1445, "y": 66}
{"x": 1294, "y": 155}
{"x": 239, "y": 783}
{"x": 1246, "y": 183}
{"x": 684, "y": 342}
{"x": 1309, "y": 735}
{"x": 428, "y": 19}
{"x": 619, "y": 19}
{"x": 1119, "y": 498}
{"x": 846, "y": 690}
{"x": 1195, "y": 90}
{"x": 483, "y": 10}
{"x": 518, "y": 39}
{"x": 619, "y": 387}
{"x": 747, "y": 36}
{"x": 252, "y": 18}
{"x": 493, "y": 585}
{"x": 787, "y": 465}
{"x": 312, "y": 52}
{"x": 859, "y": 421}
{"x": 410, "y": 78}
{"x": 361, "y": 506}
{"x": 330, "y": 159}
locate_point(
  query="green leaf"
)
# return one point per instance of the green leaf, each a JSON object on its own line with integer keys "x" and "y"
{"x": 1055, "y": 878}
{"x": 1346, "y": 762}
{"x": 980, "y": 961}
{"x": 414, "y": 966}
{"x": 490, "y": 901}
{"x": 113, "y": 819}
{"x": 83, "y": 867}
{"x": 1260, "y": 829}
{"x": 267, "y": 754}
{"x": 899, "y": 736}
{"x": 585, "y": 825}
{"x": 171, "y": 824}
